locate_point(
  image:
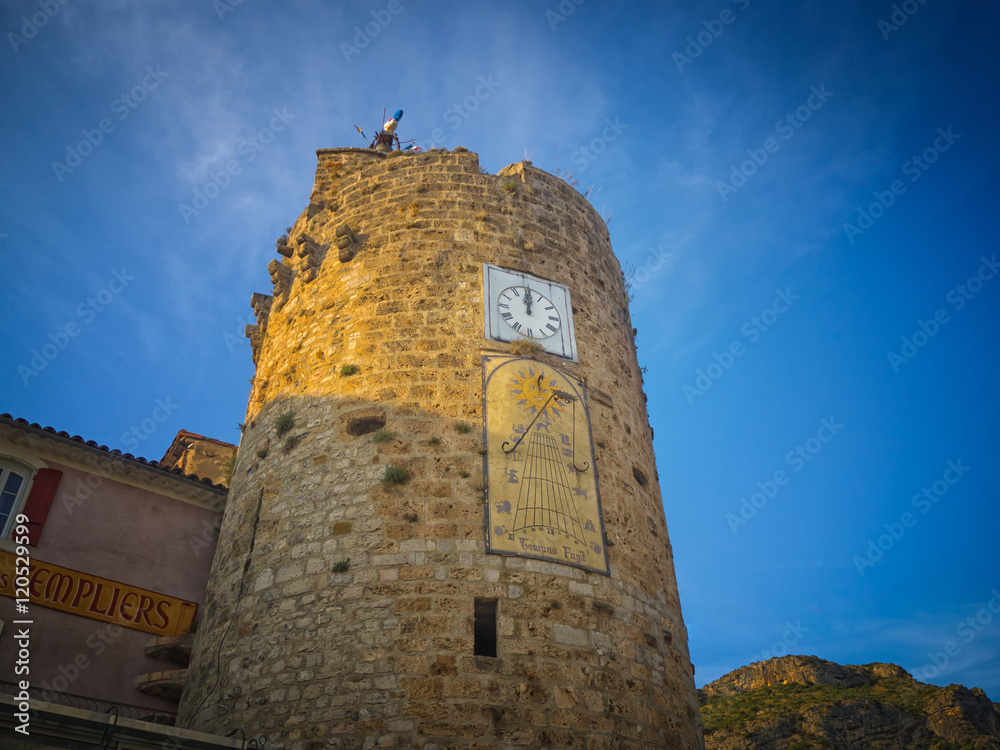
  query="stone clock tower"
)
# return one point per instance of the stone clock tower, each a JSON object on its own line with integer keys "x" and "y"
{"x": 445, "y": 528}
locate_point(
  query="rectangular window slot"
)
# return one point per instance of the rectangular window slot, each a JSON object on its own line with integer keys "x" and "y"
{"x": 485, "y": 627}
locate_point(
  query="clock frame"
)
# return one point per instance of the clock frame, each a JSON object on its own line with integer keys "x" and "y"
{"x": 503, "y": 288}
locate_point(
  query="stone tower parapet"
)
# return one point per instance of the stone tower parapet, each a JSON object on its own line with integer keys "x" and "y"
{"x": 341, "y": 606}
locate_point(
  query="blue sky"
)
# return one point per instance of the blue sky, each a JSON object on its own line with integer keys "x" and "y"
{"x": 799, "y": 187}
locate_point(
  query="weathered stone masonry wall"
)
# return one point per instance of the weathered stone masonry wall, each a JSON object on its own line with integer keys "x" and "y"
{"x": 383, "y": 272}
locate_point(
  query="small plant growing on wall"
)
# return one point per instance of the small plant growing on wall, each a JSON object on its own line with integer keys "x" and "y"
{"x": 382, "y": 435}
{"x": 510, "y": 187}
{"x": 284, "y": 423}
{"x": 290, "y": 442}
{"x": 395, "y": 475}
{"x": 230, "y": 468}
{"x": 462, "y": 428}
{"x": 348, "y": 370}
{"x": 628, "y": 275}
{"x": 262, "y": 453}
{"x": 527, "y": 347}
{"x": 342, "y": 566}
{"x": 435, "y": 440}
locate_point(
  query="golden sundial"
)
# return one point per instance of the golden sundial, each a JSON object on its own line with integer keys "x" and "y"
{"x": 542, "y": 496}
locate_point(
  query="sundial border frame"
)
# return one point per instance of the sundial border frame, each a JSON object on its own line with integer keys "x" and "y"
{"x": 581, "y": 387}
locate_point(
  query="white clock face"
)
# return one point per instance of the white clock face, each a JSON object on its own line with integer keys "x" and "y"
{"x": 518, "y": 306}
{"x": 527, "y": 312}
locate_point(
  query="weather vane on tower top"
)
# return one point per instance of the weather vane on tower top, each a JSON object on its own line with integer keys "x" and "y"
{"x": 386, "y": 138}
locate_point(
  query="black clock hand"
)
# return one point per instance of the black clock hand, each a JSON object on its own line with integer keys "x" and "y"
{"x": 528, "y": 300}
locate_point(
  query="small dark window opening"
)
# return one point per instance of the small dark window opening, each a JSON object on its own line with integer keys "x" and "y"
{"x": 364, "y": 425}
{"x": 485, "y": 627}
{"x": 639, "y": 476}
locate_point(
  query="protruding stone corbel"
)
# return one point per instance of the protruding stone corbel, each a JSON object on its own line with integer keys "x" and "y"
{"x": 281, "y": 277}
{"x": 256, "y": 341}
{"x": 312, "y": 255}
{"x": 261, "y": 304}
{"x": 283, "y": 248}
{"x": 348, "y": 243}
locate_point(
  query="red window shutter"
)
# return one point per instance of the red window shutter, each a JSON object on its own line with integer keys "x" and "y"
{"x": 43, "y": 492}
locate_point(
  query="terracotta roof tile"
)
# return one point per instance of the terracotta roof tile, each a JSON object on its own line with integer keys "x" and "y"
{"x": 112, "y": 452}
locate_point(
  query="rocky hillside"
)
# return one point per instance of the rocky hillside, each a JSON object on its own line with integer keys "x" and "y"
{"x": 797, "y": 702}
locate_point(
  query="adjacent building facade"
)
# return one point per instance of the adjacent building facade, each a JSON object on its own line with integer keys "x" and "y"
{"x": 118, "y": 551}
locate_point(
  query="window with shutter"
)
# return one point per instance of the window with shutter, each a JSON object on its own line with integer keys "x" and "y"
{"x": 36, "y": 507}
{"x": 15, "y": 497}
{"x": 13, "y": 481}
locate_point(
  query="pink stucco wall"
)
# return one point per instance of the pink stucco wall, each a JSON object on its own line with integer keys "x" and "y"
{"x": 126, "y": 534}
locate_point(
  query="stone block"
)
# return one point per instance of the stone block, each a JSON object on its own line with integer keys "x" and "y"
{"x": 422, "y": 688}
{"x": 570, "y": 636}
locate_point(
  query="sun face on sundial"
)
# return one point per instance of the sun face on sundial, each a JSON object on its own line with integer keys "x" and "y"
{"x": 534, "y": 389}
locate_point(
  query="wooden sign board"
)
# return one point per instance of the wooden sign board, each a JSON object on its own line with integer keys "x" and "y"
{"x": 101, "y": 599}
